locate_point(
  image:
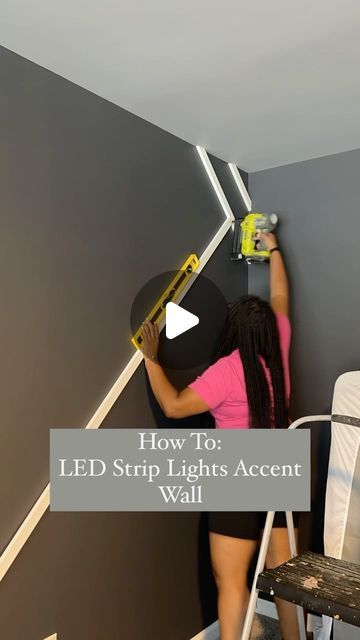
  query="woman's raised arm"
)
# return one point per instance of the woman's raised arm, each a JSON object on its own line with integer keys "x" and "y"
{"x": 279, "y": 285}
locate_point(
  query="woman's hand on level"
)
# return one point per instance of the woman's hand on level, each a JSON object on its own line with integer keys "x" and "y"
{"x": 150, "y": 343}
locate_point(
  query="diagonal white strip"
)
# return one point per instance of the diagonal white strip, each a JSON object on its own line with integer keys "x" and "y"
{"x": 215, "y": 183}
{"x": 34, "y": 516}
{"x": 210, "y": 633}
{"x": 240, "y": 185}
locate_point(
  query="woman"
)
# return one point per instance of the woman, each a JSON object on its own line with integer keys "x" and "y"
{"x": 247, "y": 387}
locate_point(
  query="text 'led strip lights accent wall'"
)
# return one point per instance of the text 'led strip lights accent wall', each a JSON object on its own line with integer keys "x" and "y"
{"x": 34, "y": 516}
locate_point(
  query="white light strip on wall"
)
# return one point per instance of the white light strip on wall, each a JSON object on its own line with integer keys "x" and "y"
{"x": 240, "y": 185}
{"x": 34, "y": 516}
{"x": 215, "y": 183}
{"x": 210, "y": 633}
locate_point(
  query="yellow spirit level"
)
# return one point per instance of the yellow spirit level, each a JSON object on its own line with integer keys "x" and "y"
{"x": 170, "y": 294}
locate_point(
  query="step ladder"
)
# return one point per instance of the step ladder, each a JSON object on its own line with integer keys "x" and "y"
{"x": 264, "y": 547}
{"x": 317, "y": 583}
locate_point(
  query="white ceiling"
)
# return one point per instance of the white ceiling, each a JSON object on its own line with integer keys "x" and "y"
{"x": 259, "y": 82}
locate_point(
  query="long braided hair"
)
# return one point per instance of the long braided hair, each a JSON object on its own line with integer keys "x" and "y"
{"x": 251, "y": 327}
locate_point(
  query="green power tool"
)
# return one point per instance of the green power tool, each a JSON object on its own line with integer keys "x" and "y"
{"x": 246, "y": 243}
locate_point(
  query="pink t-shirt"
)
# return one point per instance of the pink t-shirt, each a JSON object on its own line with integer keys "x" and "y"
{"x": 222, "y": 386}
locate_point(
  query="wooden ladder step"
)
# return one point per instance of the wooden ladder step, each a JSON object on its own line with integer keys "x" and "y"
{"x": 318, "y": 583}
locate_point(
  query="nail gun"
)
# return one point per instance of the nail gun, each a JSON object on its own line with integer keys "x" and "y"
{"x": 246, "y": 244}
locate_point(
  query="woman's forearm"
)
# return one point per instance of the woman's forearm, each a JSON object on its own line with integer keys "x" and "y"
{"x": 279, "y": 285}
{"x": 174, "y": 403}
{"x": 165, "y": 393}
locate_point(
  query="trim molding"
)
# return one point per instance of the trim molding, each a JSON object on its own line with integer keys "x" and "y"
{"x": 240, "y": 185}
{"x": 210, "y": 633}
{"x": 42, "y": 503}
{"x": 215, "y": 183}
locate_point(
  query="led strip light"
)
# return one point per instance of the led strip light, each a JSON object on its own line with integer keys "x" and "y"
{"x": 240, "y": 185}
{"x": 34, "y": 516}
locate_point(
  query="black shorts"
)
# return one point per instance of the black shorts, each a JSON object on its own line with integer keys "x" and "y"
{"x": 245, "y": 524}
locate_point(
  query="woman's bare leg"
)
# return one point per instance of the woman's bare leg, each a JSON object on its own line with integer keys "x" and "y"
{"x": 230, "y": 559}
{"x": 279, "y": 552}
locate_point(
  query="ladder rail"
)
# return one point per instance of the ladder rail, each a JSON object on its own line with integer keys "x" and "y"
{"x": 254, "y": 594}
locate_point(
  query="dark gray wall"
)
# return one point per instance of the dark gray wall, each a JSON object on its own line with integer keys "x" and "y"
{"x": 318, "y": 202}
{"x": 94, "y": 202}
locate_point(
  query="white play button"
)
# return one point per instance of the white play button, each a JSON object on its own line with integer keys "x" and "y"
{"x": 178, "y": 320}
